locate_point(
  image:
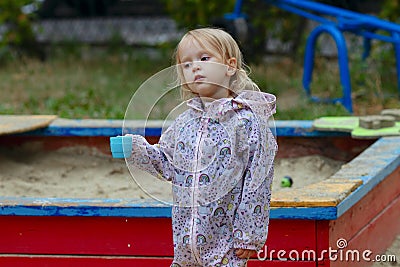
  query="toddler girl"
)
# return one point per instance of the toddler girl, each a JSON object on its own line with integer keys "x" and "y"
{"x": 218, "y": 155}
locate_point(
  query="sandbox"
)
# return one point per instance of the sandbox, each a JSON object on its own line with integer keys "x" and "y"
{"x": 103, "y": 219}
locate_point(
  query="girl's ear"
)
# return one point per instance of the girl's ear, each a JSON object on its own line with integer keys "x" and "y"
{"x": 232, "y": 66}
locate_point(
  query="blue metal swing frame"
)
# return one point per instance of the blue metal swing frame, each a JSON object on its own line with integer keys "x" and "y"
{"x": 340, "y": 20}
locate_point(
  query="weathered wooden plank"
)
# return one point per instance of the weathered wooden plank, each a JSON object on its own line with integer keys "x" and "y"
{"x": 371, "y": 166}
{"x": 129, "y": 208}
{"x": 305, "y": 213}
{"x": 329, "y": 192}
{"x": 132, "y": 208}
{"x": 368, "y": 127}
{"x": 13, "y": 124}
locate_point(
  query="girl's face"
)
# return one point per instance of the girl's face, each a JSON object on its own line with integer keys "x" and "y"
{"x": 204, "y": 72}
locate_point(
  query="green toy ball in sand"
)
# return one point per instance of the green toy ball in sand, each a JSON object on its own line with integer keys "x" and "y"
{"x": 286, "y": 181}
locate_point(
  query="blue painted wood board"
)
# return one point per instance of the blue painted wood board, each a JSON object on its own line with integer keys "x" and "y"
{"x": 128, "y": 208}
{"x": 371, "y": 166}
{"x": 65, "y": 127}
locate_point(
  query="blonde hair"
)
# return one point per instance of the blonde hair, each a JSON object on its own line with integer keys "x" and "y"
{"x": 217, "y": 42}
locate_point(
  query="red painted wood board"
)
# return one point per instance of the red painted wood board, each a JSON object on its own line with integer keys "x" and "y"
{"x": 86, "y": 235}
{"x": 121, "y": 236}
{"x": 74, "y": 261}
{"x": 372, "y": 240}
{"x": 322, "y": 243}
{"x": 364, "y": 211}
{"x": 49, "y": 143}
{"x": 373, "y": 211}
{"x": 372, "y": 223}
{"x": 341, "y": 148}
{"x": 277, "y": 263}
{"x": 291, "y": 235}
{"x": 97, "y": 261}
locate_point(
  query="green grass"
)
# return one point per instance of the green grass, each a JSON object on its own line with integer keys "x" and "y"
{"x": 86, "y": 85}
{"x": 283, "y": 78}
{"x": 87, "y": 82}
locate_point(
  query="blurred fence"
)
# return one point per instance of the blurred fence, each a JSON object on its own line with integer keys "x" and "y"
{"x": 128, "y": 30}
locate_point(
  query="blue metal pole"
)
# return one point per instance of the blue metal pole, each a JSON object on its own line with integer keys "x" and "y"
{"x": 340, "y": 12}
{"x": 396, "y": 45}
{"x": 342, "y": 61}
{"x": 238, "y": 8}
{"x": 367, "y": 48}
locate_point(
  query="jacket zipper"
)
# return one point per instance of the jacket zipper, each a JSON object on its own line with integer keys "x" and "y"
{"x": 195, "y": 250}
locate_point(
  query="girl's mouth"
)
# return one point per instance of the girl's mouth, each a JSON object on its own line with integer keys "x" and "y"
{"x": 198, "y": 78}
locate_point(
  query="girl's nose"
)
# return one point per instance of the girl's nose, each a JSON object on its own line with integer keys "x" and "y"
{"x": 196, "y": 66}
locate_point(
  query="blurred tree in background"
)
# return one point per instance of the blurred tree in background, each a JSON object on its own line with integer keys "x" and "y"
{"x": 262, "y": 21}
{"x": 191, "y": 14}
{"x": 391, "y": 10}
{"x": 17, "y": 35}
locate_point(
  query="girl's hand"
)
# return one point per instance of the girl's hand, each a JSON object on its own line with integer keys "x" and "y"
{"x": 245, "y": 253}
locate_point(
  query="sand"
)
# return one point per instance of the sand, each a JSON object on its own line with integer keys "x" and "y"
{"x": 80, "y": 172}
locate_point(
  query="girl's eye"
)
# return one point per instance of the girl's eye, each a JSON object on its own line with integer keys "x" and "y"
{"x": 186, "y": 65}
{"x": 205, "y": 58}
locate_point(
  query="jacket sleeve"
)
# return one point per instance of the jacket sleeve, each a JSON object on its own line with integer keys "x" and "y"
{"x": 252, "y": 216}
{"x": 155, "y": 159}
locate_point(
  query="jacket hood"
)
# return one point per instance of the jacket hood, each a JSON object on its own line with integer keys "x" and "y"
{"x": 259, "y": 102}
